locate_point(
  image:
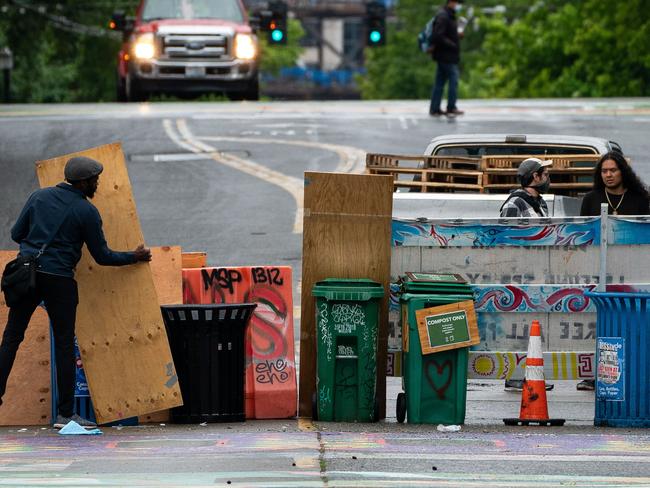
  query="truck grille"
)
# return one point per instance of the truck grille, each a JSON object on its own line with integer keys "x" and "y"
{"x": 200, "y": 47}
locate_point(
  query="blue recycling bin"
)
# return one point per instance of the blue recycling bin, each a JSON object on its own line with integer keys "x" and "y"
{"x": 622, "y": 359}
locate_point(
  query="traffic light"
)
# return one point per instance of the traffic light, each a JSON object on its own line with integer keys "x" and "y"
{"x": 277, "y": 23}
{"x": 375, "y": 24}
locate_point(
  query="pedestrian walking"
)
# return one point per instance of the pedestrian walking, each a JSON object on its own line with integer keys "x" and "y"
{"x": 615, "y": 184}
{"x": 51, "y": 230}
{"x": 446, "y": 53}
{"x": 527, "y": 201}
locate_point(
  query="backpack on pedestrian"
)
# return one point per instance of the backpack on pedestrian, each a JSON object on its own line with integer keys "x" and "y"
{"x": 425, "y": 38}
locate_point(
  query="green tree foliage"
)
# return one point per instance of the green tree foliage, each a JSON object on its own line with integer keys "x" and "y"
{"x": 55, "y": 62}
{"x": 560, "y": 48}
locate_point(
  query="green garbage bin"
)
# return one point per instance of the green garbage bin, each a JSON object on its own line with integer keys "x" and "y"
{"x": 435, "y": 385}
{"x": 347, "y": 322}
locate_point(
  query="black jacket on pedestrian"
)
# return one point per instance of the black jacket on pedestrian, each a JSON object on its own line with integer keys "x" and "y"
{"x": 82, "y": 224}
{"x": 445, "y": 37}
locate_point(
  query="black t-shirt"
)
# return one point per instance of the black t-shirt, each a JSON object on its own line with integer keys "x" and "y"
{"x": 632, "y": 204}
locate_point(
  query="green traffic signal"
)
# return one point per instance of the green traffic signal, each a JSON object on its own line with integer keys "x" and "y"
{"x": 277, "y": 35}
{"x": 375, "y": 37}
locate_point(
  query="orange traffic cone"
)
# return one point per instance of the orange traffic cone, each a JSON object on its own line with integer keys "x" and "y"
{"x": 534, "y": 408}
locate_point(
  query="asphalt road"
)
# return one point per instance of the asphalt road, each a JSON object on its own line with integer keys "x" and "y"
{"x": 226, "y": 178}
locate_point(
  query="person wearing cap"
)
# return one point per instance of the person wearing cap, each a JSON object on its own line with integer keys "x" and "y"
{"x": 63, "y": 216}
{"x": 527, "y": 201}
{"x": 446, "y": 52}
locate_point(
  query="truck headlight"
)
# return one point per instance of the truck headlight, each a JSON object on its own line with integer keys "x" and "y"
{"x": 145, "y": 47}
{"x": 245, "y": 47}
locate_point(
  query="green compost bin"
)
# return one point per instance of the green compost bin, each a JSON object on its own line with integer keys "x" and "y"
{"x": 435, "y": 385}
{"x": 347, "y": 323}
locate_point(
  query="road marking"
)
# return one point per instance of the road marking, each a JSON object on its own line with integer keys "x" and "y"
{"x": 292, "y": 185}
{"x": 352, "y": 159}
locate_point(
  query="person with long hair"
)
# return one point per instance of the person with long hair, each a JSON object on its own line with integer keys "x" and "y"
{"x": 616, "y": 184}
{"x": 621, "y": 189}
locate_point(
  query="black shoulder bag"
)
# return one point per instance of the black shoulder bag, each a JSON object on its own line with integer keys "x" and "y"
{"x": 19, "y": 276}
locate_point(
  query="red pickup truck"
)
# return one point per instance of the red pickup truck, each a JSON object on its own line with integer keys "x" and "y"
{"x": 181, "y": 47}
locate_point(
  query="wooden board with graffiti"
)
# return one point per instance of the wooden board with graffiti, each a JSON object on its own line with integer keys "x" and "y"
{"x": 271, "y": 383}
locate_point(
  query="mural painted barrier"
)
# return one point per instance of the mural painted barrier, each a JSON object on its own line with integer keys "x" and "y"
{"x": 525, "y": 269}
{"x": 270, "y": 356}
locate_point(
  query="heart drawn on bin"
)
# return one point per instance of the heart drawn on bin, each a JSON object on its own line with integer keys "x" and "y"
{"x": 434, "y": 373}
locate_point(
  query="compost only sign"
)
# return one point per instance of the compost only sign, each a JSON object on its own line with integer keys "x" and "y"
{"x": 610, "y": 383}
{"x": 447, "y": 327}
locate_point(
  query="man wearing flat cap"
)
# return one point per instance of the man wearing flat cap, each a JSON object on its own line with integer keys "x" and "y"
{"x": 53, "y": 226}
{"x": 527, "y": 201}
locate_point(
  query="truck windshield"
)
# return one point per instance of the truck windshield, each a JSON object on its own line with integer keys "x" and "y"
{"x": 192, "y": 9}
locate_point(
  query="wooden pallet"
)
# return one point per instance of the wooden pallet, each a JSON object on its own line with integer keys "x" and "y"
{"x": 421, "y": 161}
{"x": 574, "y": 161}
{"x": 571, "y": 175}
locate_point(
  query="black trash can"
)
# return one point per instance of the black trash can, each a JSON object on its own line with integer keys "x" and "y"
{"x": 207, "y": 344}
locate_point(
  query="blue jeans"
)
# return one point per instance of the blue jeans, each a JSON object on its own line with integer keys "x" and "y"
{"x": 446, "y": 71}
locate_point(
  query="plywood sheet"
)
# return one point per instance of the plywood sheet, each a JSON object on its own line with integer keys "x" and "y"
{"x": 347, "y": 232}
{"x": 195, "y": 259}
{"x": 166, "y": 267}
{"x": 28, "y": 398}
{"x": 120, "y": 329}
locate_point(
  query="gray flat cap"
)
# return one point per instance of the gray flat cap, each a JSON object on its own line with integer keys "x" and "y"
{"x": 82, "y": 168}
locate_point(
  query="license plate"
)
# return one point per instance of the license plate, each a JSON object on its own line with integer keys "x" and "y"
{"x": 195, "y": 71}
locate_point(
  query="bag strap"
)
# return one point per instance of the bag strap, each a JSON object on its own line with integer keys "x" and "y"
{"x": 54, "y": 233}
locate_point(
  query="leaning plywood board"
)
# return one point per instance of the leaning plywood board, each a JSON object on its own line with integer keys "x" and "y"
{"x": 27, "y": 400}
{"x": 347, "y": 230}
{"x": 120, "y": 329}
{"x": 166, "y": 267}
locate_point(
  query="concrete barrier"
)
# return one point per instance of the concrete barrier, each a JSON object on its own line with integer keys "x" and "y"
{"x": 271, "y": 390}
{"x": 525, "y": 269}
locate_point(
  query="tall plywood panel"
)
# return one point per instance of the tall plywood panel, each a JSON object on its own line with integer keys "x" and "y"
{"x": 167, "y": 271}
{"x": 347, "y": 231}
{"x": 120, "y": 329}
{"x": 27, "y": 400}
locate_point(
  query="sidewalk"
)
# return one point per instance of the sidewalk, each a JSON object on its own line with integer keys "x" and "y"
{"x": 488, "y": 403}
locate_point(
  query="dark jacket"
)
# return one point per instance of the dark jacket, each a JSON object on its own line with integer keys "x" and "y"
{"x": 445, "y": 37}
{"x": 43, "y": 211}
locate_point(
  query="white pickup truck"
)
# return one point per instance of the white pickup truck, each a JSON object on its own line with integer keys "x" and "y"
{"x": 477, "y": 145}
{"x": 411, "y": 200}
